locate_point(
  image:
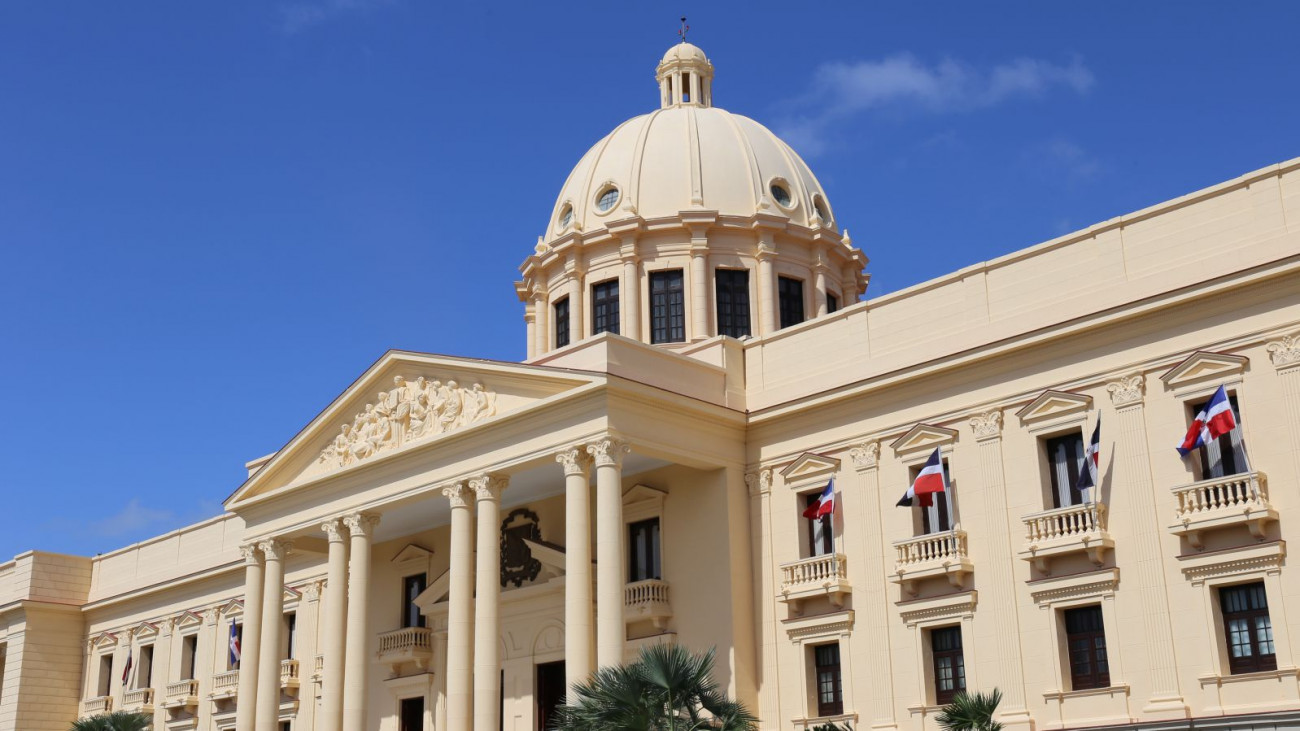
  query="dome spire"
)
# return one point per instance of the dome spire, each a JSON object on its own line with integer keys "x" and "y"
{"x": 685, "y": 75}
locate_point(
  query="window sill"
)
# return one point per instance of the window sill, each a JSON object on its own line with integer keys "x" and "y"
{"x": 1110, "y": 690}
{"x": 1279, "y": 674}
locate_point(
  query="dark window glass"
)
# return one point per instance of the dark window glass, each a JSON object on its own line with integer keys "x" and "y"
{"x": 643, "y": 550}
{"x": 291, "y": 634}
{"x": 949, "y": 665}
{"x": 733, "y": 301}
{"x": 412, "y": 587}
{"x": 1086, "y": 640}
{"x": 189, "y": 651}
{"x": 286, "y": 726}
{"x": 105, "y": 675}
{"x": 604, "y": 307}
{"x": 1226, "y": 455}
{"x": 821, "y": 541}
{"x": 1248, "y": 629}
{"x": 667, "y": 307}
{"x": 239, "y": 632}
{"x": 1064, "y": 461}
{"x": 562, "y": 323}
{"x": 144, "y": 671}
{"x": 790, "y": 293}
{"x": 832, "y": 303}
{"x": 938, "y": 517}
{"x": 411, "y": 714}
{"x": 830, "y": 697}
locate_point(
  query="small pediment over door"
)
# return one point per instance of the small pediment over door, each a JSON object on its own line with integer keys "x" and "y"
{"x": 1204, "y": 366}
{"x": 1054, "y": 404}
{"x": 808, "y": 466}
{"x": 924, "y": 437}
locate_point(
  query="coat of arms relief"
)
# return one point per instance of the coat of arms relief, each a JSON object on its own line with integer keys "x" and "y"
{"x": 408, "y": 412}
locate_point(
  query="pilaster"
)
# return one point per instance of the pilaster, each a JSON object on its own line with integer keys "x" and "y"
{"x": 874, "y": 643}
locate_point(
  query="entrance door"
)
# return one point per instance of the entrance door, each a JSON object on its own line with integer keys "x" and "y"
{"x": 550, "y": 692}
{"x": 412, "y": 718}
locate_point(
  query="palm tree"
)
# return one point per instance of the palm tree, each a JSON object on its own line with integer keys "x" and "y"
{"x": 117, "y": 721}
{"x": 667, "y": 688}
{"x": 971, "y": 712}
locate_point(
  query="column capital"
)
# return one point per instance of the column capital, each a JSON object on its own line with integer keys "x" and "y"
{"x": 458, "y": 494}
{"x": 361, "y": 524}
{"x": 760, "y": 482}
{"x": 608, "y": 451}
{"x": 252, "y": 557}
{"x": 987, "y": 426}
{"x": 575, "y": 459}
{"x": 275, "y": 549}
{"x": 1284, "y": 352}
{"x": 865, "y": 456}
{"x": 334, "y": 530}
{"x": 1127, "y": 390}
{"x": 488, "y": 487}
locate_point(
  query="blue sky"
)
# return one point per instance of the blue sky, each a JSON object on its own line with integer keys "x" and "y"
{"x": 215, "y": 215}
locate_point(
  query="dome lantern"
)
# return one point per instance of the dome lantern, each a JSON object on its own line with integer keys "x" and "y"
{"x": 685, "y": 77}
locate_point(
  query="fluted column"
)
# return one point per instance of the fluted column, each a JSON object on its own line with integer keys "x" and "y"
{"x": 332, "y": 636}
{"x": 699, "y": 293}
{"x": 767, "y": 322}
{"x": 246, "y": 708}
{"x": 460, "y": 609}
{"x": 611, "y": 632}
{"x": 1132, "y": 474}
{"x": 356, "y": 659}
{"x": 487, "y": 603}
{"x": 268, "y": 658}
{"x": 577, "y": 566}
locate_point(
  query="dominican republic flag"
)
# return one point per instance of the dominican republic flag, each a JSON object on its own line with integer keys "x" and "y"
{"x": 234, "y": 644}
{"x": 1088, "y": 476}
{"x": 1215, "y": 420}
{"x": 126, "y": 671}
{"x": 825, "y": 504}
{"x": 928, "y": 482}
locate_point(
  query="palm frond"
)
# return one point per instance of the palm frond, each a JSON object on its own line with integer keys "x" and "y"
{"x": 971, "y": 712}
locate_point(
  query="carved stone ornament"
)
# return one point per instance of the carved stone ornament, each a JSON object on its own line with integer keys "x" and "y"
{"x": 517, "y": 562}
{"x": 574, "y": 459}
{"x": 1284, "y": 352}
{"x": 865, "y": 456}
{"x": 361, "y": 524}
{"x": 608, "y": 451}
{"x": 1126, "y": 391}
{"x": 987, "y": 426}
{"x": 760, "y": 483}
{"x": 408, "y": 412}
{"x": 457, "y": 494}
{"x": 275, "y": 550}
{"x": 488, "y": 487}
{"x": 250, "y": 553}
{"x": 334, "y": 529}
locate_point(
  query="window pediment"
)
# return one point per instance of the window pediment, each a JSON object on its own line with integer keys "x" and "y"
{"x": 436, "y": 592}
{"x": 188, "y": 619}
{"x": 144, "y": 629}
{"x": 232, "y": 608}
{"x": 939, "y": 609}
{"x": 1203, "y": 366}
{"x": 924, "y": 437}
{"x": 819, "y": 627}
{"x": 1052, "y": 404}
{"x": 103, "y": 641}
{"x": 809, "y": 465}
{"x": 412, "y": 554}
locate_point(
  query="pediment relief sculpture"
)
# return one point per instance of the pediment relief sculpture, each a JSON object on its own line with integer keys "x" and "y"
{"x": 408, "y": 412}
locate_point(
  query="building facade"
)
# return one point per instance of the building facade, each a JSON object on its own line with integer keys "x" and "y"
{"x": 453, "y": 541}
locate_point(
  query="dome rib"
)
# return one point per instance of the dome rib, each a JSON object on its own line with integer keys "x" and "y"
{"x": 638, "y": 155}
{"x": 693, "y": 142}
{"x": 755, "y": 174}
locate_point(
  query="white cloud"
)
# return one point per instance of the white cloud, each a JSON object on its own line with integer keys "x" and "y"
{"x": 1063, "y": 157}
{"x": 840, "y": 89}
{"x": 131, "y": 519}
{"x": 299, "y": 16}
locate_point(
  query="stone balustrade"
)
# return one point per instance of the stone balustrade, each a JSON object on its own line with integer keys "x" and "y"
{"x": 318, "y": 668}
{"x": 825, "y": 575}
{"x": 289, "y": 674}
{"x": 140, "y": 699}
{"x": 1222, "y": 502}
{"x": 225, "y": 685}
{"x": 97, "y": 705}
{"x": 932, "y": 555}
{"x": 1062, "y": 531}
{"x": 182, "y": 693}
{"x": 647, "y": 600}
{"x": 406, "y": 645}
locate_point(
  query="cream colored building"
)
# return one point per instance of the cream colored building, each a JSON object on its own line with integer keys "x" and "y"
{"x": 452, "y": 540}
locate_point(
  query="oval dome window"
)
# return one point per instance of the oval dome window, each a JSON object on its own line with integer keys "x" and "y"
{"x": 608, "y": 198}
{"x": 780, "y": 194}
{"x": 566, "y": 216}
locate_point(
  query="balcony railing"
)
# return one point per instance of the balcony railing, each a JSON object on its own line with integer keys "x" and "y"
{"x": 1222, "y": 502}
{"x": 1072, "y": 529}
{"x": 409, "y": 644}
{"x": 932, "y": 555}
{"x": 318, "y": 668}
{"x": 139, "y": 699}
{"x": 97, "y": 705}
{"x": 225, "y": 685}
{"x": 825, "y": 575}
{"x": 647, "y": 599}
{"x": 289, "y": 675}
{"x": 181, "y": 694}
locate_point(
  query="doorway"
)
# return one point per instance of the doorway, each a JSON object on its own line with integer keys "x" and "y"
{"x": 412, "y": 714}
{"x": 550, "y": 692}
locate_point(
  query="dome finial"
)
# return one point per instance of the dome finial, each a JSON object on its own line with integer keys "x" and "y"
{"x": 684, "y": 29}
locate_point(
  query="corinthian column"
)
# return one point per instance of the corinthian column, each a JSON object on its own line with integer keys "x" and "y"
{"x": 487, "y": 600}
{"x": 246, "y": 710}
{"x": 460, "y": 608}
{"x": 268, "y": 658}
{"x": 577, "y": 566}
{"x": 611, "y": 632}
{"x": 357, "y": 659}
{"x": 332, "y": 638}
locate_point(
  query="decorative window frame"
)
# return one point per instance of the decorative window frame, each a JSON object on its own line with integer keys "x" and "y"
{"x": 1054, "y": 595}
{"x": 921, "y": 616}
{"x": 823, "y": 629}
{"x": 642, "y": 502}
{"x": 1204, "y": 371}
{"x": 806, "y": 474}
{"x": 914, "y": 447}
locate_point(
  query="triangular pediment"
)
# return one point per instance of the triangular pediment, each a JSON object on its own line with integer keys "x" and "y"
{"x": 412, "y": 553}
{"x": 291, "y": 595}
{"x": 103, "y": 640}
{"x": 189, "y": 619}
{"x": 404, "y": 403}
{"x": 809, "y": 465}
{"x": 924, "y": 436}
{"x": 1050, "y": 404}
{"x": 434, "y": 593}
{"x": 145, "y": 629}
{"x": 1204, "y": 366}
{"x": 643, "y": 494}
{"x": 231, "y": 608}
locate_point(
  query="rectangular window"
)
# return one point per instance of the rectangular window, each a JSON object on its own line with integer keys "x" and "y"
{"x": 830, "y": 696}
{"x": 939, "y": 516}
{"x": 412, "y": 587}
{"x": 667, "y": 307}
{"x": 832, "y": 303}
{"x": 790, "y": 294}
{"x": 643, "y": 550}
{"x": 949, "y": 664}
{"x": 1248, "y": 629}
{"x": 732, "y": 287}
{"x": 1226, "y": 455}
{"x": 1064, "y": 462}
{"x": 821, "y": 538}
{"x": 105, "y": 684}
{"x": 144, "y": 670}
{"x": 562, "y": 323}
{"x": 412, "y": 714}
{"x": 1086, "y": 642}
{"x": 230, "y": 661}
{"x": 286, "y": 726}
{"x": 290, "y": 634}
{"x": 189, "y": 651}
{"x": 604, "y": 307}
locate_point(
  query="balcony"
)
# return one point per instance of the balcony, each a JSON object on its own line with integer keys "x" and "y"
{"x": 409, "y": 644}
{"x": 225, "y": 685}
{"x": 140, "y": 699}
{"x": 96, "y": 706}
{"x": 647, "y": 599}
{"x": 1059, "y": 532}
{"x": 289, "y": 680}
{"x": 182, "y": 694}
{"x": 318, "y": 669}
{"x": 930, "y": 556}
{"x": 1221, "y": 503}
{"x": 825, "y": 575}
